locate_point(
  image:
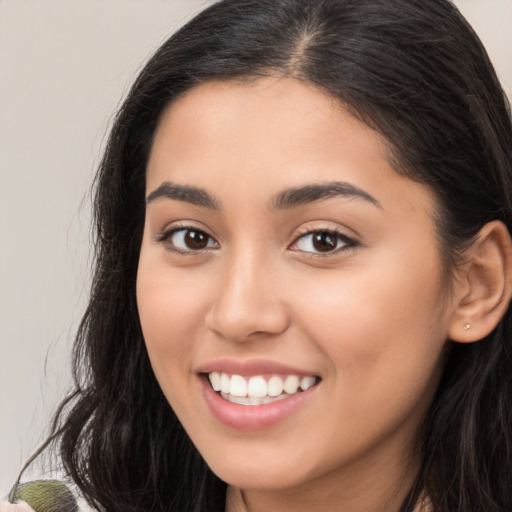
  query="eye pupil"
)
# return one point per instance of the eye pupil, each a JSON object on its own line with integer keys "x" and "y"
{"x": 324, "y": 241}
{"x": 196, "y": 239}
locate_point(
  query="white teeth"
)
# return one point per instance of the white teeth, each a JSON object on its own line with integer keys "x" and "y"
{"x": 249, "y": 400}
{"x": 307, "y": 382}
{"x": 238, "y": 386}
{"x": 215, "y": 381}
{"x": 257, "y": 389}
{"x": 275, "y": 386}
{"x": 291, "y": 384}
{"x": 224, "y": 383}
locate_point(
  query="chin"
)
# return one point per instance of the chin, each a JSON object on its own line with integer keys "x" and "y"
{"x": 256, "y": 466}
{"x": 261, "y": 477}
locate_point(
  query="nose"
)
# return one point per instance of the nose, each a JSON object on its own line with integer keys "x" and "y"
{"x": 247, "y": 301}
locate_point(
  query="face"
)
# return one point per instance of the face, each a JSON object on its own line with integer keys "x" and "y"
{"x": 290, "y": 286}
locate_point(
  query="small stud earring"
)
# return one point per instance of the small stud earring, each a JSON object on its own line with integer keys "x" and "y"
{"x": 467, "y": 326}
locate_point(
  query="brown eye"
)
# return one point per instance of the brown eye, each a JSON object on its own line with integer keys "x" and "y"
{"x": 187, "y": 240}
{"x": 317, "y": 242}
{"x": 324, "y": 241}
{"x": 196, "y": 240}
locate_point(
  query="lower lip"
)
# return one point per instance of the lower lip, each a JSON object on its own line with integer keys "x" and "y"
{"x": 252, "y": 417}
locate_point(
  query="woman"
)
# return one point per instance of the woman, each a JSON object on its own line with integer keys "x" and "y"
{"x": 303, "y": 270}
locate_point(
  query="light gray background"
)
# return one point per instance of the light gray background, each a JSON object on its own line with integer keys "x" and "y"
{"x": 64, "y": 66}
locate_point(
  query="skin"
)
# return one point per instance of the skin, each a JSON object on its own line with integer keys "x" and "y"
{"x": 371, "y": 319}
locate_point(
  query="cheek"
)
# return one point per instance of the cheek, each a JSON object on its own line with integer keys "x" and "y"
{"x": 382, "y": 326}
{"x": 170, "y": 315}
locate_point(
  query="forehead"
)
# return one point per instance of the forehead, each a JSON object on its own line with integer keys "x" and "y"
{"x": 271, "y": 134}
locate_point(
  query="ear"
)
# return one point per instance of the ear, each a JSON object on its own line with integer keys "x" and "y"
{"x": 483, "y": 286}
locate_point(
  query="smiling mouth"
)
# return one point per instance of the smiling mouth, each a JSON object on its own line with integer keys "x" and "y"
{"x": 259, "y": 389}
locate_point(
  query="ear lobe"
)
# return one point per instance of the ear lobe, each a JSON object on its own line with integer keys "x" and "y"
{"x": 484, "y": 286}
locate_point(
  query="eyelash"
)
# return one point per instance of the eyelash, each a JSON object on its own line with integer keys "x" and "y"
{"x": 166, "y": 236}
{"x": 348, "y": 243}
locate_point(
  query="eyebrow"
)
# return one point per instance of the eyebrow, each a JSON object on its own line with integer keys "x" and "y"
{"x": 289, "y": 198}
{"x": 311, "y": 193}
{"x": 186, "y": 193}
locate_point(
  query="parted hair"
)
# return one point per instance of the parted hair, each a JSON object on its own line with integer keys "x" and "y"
{"x": 413, "y": 70}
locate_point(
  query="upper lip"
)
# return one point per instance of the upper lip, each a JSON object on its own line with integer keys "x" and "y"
{"x": 251, "y": 367}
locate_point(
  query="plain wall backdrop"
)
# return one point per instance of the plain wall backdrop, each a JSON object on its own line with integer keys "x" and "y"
{"x": 64, "y": 67}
